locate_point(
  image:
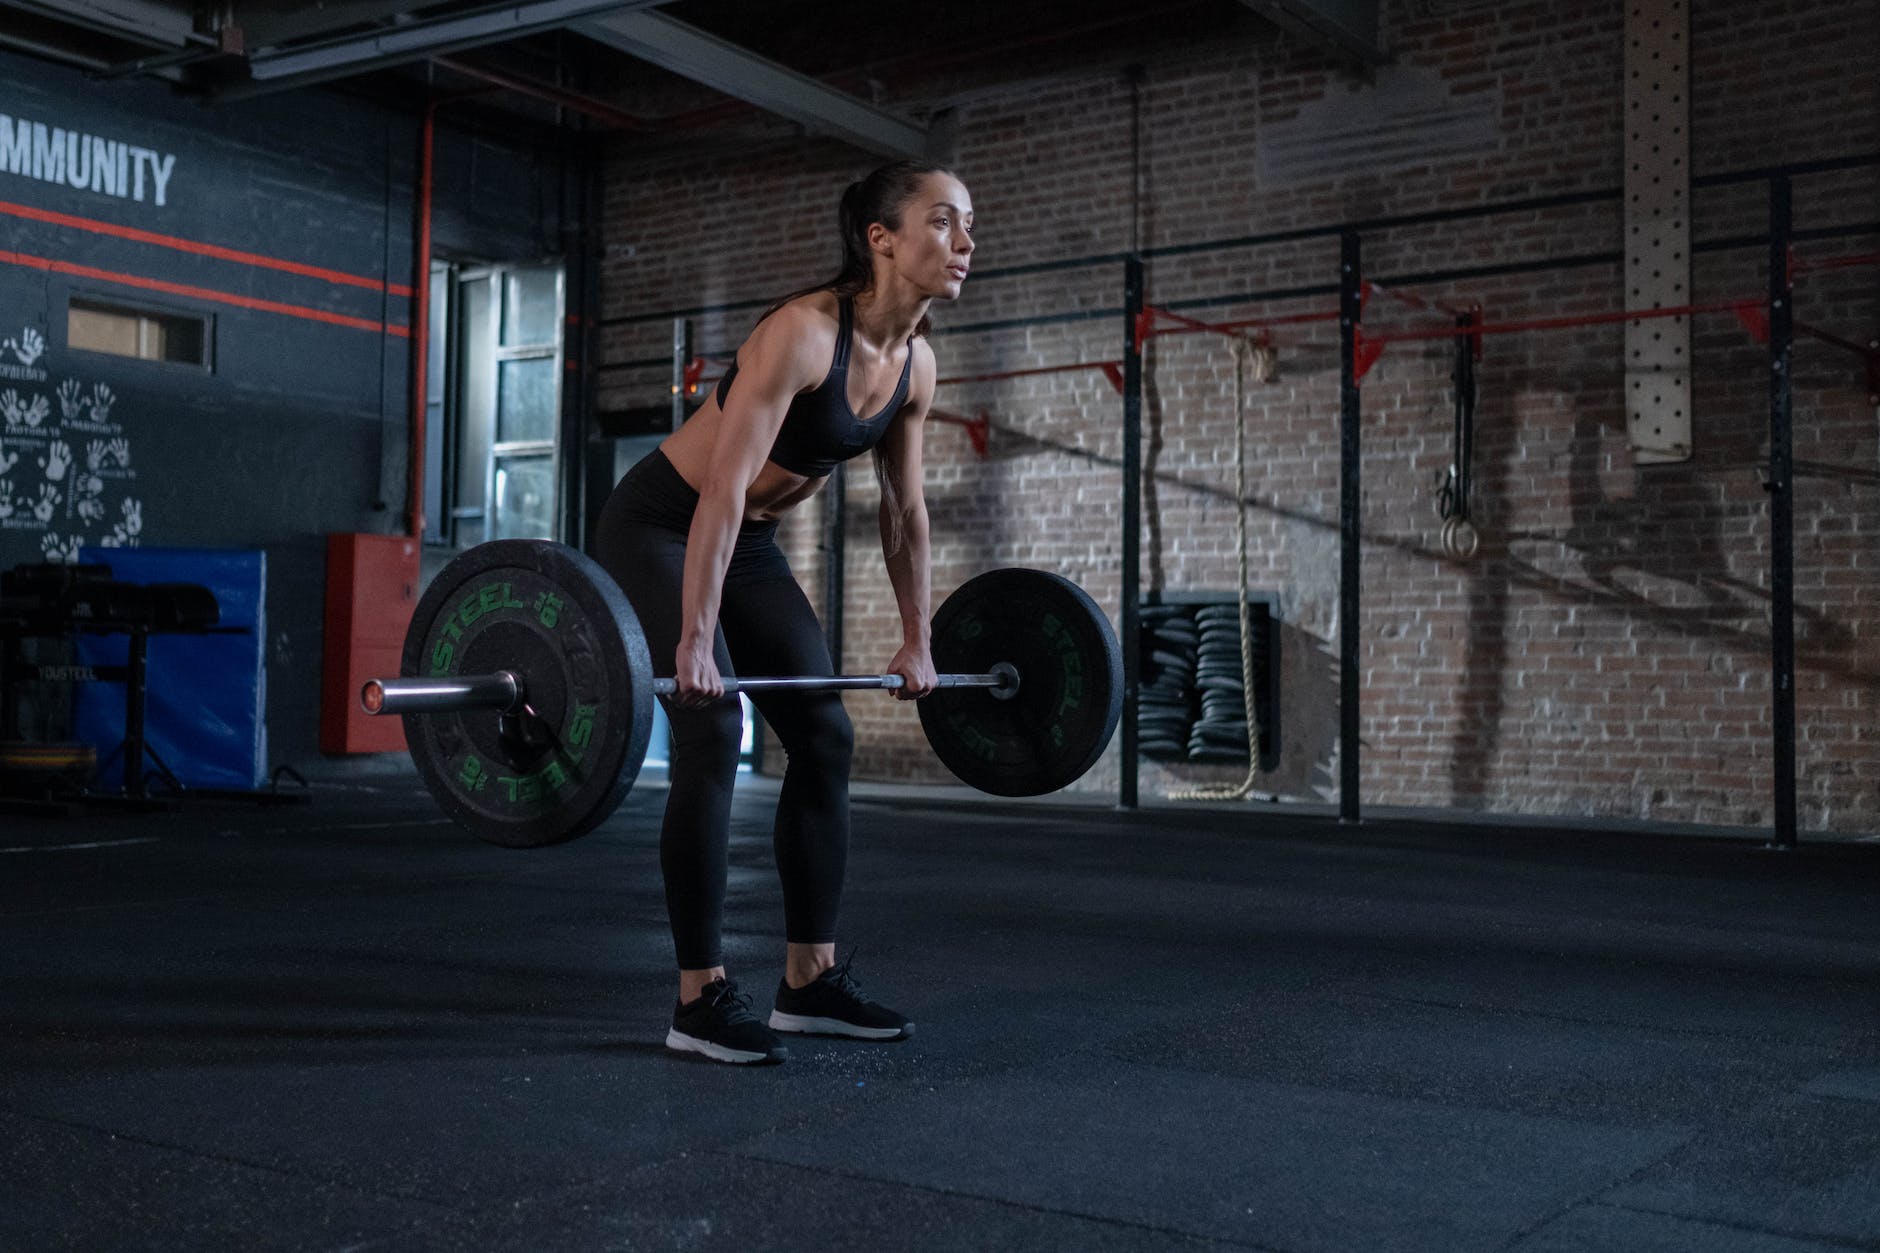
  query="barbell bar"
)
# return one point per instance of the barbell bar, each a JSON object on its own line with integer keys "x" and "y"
{"x": 505, "y": 692}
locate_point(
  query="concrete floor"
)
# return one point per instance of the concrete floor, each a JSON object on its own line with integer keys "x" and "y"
{"x": 345, "y": 1026}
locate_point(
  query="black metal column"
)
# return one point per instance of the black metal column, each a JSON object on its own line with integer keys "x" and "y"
{"x": 1132, "y": 523}
{"x": 1350, "y": 413}
{"x": 1781, "y": 510}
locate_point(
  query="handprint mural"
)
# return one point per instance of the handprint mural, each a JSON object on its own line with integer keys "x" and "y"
{"x": 28, "y": 348}
{"x": 64, "y": 465}
{"x": 57, "y": 461}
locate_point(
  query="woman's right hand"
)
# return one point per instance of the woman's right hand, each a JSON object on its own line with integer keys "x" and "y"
{"x": 695, "y": 675}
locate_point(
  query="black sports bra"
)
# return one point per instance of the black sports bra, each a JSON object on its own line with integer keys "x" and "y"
{"x": 820, "y": 430}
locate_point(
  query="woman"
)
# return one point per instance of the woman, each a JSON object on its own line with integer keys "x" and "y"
{"x": 690, "y": 534}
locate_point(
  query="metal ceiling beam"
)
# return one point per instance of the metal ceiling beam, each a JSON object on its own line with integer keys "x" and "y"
{"x": 725, "y": 67}
{"x": 53, "y": 50}
{"x": 414, "y": 41}
{"x": 268, "y": 23}
{"x": 1350, "y": 26}
{"x": 144, "y": 21}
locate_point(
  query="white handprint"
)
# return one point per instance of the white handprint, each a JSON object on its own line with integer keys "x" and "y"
{"x": 71, "y": 398}
{"x": 31, "y": 347}
{"x": 6, "y": 499}
{"x": 133, "y": 518}
{"x": 95, "y": 454}
{"x": 57, "y": 461}
{"x": 88, "y": 484}
{"x": 38, "y": 411}
{"x": 8, "y": 460}
{"x": 113, "y": 540}
{"x": 58, "y": 548}
{"x": 101, "y": 402}
{"x": 12, "y": 407}
{"x": 120, "y": 449}
{"x": 91, "y": 509}
{"x": 49, "y": 498}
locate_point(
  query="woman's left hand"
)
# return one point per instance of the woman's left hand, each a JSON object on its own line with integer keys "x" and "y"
{"x": 915, "y": 666}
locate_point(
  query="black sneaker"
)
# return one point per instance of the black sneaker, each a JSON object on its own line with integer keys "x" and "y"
{"x": 834, "y": 1005}
{"x": 720, "y": 1025}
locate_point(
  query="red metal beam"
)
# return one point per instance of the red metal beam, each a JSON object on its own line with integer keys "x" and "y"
{"x": 420, "y": 325}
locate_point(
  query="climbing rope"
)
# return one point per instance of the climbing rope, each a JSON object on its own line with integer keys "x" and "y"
{"x": 1261, "y": 361}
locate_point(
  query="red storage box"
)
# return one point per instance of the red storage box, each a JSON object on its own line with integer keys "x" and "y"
{"x": 371, "y": 592}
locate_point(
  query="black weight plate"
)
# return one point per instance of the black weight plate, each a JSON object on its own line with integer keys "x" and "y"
{"x": 557, "y": 619}
{"x": 1162, "y": 721}
{"x": 1070, "y": 691}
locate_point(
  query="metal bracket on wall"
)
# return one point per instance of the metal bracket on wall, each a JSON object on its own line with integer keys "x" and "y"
{"x": 1657, "y": 229}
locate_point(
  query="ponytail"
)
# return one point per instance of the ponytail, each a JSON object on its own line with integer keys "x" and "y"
{"x": 876, "y": 198}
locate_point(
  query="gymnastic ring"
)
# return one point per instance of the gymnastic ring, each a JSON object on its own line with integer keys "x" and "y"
{"x": 1462, "y": 539}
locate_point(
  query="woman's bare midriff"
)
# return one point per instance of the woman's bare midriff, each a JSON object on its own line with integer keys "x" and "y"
{"x": 772, "y": 494}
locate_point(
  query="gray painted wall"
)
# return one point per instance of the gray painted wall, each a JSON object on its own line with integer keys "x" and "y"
{"x": 299, "y": 427}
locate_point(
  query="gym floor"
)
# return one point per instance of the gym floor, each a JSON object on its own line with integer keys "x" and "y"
{"x": 344, "y": 1026}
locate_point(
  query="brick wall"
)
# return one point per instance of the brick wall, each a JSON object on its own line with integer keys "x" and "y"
{"x": 1606, "y": 652}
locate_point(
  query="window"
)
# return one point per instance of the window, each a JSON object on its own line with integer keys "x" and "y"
{"x": 146, "y": 334}
{"x": 499, "y": 465}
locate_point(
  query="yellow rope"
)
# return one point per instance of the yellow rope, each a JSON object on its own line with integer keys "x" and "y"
{"x": 1261, "y": 358}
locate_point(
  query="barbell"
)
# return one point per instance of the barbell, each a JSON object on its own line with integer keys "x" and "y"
{"x": 526, "y": 689}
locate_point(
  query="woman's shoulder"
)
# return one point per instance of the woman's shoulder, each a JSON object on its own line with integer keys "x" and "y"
{"x": 811, "y": 311}
{"x": 922, "y": 364}
{"x": 806, "y": 323}
{"x": 797, "y": 339}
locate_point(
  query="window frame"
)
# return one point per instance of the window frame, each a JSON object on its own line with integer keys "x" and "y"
{"x": 95, "y": 301}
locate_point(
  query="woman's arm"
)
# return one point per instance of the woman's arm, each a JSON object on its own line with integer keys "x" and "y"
{"x": 787, "y": 353}
{"x": 910, "y": 567}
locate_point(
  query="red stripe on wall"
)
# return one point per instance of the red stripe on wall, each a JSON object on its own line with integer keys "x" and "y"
{"x": 200, "y": 293}
{"x": 199, "y": 249}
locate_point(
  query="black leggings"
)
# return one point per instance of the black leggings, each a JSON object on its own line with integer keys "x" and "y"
{"x": 765, "y": 626}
